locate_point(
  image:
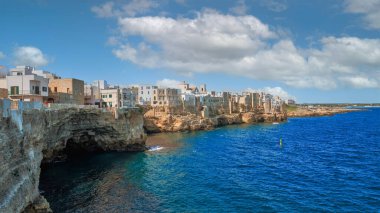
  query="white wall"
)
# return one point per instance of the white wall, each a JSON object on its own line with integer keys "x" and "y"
{"x": 104, "y": 94}
{"x": 146, "y": 93}
{"x": 3, "y": 83}
{"x": 25, "y": 83}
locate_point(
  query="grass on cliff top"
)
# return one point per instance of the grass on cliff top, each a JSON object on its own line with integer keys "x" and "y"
{"x": 291, "y": 108}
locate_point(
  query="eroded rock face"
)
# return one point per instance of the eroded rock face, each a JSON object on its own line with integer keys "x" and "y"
{"x": 92, "y": 130}
{"x": 171, "y": 123}
{"x": 46, "y": 135}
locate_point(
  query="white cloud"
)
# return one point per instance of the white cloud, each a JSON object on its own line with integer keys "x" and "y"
{"x": 276, "y": 91}
{"x": 244, "y": 46}
{"x": 31, "y": 56}
{"x": 2, "y": 55}
{"x": 105, "y": 10}
{"x": 370, "y": 9}
{"x": 240, "y": 9}
{"x": 168, "y": 83}
{"x": 360, "y": 82}
{"x": 133, "y": 8}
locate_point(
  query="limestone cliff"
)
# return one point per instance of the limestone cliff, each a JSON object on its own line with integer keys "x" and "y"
{"x": 53, "y": 134}
{"x": 318, "y": 111}
{"x": 176, "y": 123}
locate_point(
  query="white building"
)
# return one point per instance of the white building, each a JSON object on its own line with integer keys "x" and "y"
{"x": 101, "y": 84}
{"x": 188, "y": 99}
{"x": 45, "y": 74}
{"x": 129, "y": 96}
{"x": 110, "y": 97}
{"x": 147, "y": 94}
{"x": 23, "y": 84}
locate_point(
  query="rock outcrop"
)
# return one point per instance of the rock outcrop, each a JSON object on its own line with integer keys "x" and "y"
{"x": 50, "y": 135}
{"x": 177, "y": 123}
{"x": 318, "y": 111}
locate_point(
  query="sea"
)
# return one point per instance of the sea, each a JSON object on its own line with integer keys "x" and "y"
{"x": 318, "y": 164}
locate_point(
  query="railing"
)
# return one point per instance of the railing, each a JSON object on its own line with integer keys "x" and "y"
{"x": 25, "y": 92}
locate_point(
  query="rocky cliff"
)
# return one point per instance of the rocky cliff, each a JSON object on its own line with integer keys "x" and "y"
{"x": 176, "y": 123}
{"x": 37, "y": 136}
{"x": 318, "y": 111}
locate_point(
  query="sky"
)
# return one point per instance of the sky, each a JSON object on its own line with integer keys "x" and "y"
{"x": 314, "y": 51}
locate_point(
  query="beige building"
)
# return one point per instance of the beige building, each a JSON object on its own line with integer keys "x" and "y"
{"x": 167, "y": 97}
{"x": 111, "y": 97}
{"x": 3, "y": 93}
{"x": 66, "y": 90}
{"x": 89, "y": 95}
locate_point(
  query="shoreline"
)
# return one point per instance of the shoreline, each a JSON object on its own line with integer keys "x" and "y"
{"x": 192, "y": 123}
{"x": 177, "y": 123}
{"x": 320, "y": 111}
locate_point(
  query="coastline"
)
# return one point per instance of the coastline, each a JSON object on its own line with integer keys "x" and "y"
{"x": 319, "y": 111}
{"x": 178, "y": 123}
{"x": 181, "y": 123}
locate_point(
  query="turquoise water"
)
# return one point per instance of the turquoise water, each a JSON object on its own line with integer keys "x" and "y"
{"x": 325, "y": 164}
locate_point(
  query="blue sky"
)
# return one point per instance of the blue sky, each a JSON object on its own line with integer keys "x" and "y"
{"x": 317, "y": 51}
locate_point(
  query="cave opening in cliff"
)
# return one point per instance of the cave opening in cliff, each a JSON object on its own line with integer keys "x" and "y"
{"x": 83, "y": 146}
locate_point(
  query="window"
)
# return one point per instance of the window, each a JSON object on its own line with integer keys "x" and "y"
{"x": 44, "y": 89}
{"x": 148, "y": 92}
{"x": 142, "y": 92}
{"x": 154, "y": 91}
{"x": 110, "y": 96}
{"x": 15, "y": 90}
{"x": 55, "y": 89}
{"x": 147, "y": 87}
{"x": 68, "y": 90}
{"x": 110, "y": 104}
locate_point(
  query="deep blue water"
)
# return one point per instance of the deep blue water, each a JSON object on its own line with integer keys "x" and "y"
{"x": 326, "y": 164}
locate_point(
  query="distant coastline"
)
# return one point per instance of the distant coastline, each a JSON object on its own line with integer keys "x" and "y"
{"x": 320, "y": 110}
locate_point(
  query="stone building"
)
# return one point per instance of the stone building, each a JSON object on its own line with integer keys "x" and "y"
{"x": 268, "y": 103}
{"x": 188, "y": 102}
{"x": 66, "y": 90}
{"x": 244, "y": 102}
{"x": 255, "y": 101}
{"x": 89, "y": 95}
{"x": 168, "y": 97}
{"x": 3, "y": 93}
{"x": 202, "y": 89}
{"x": 277, "y": 104}
{"x": 98, "y": 85}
